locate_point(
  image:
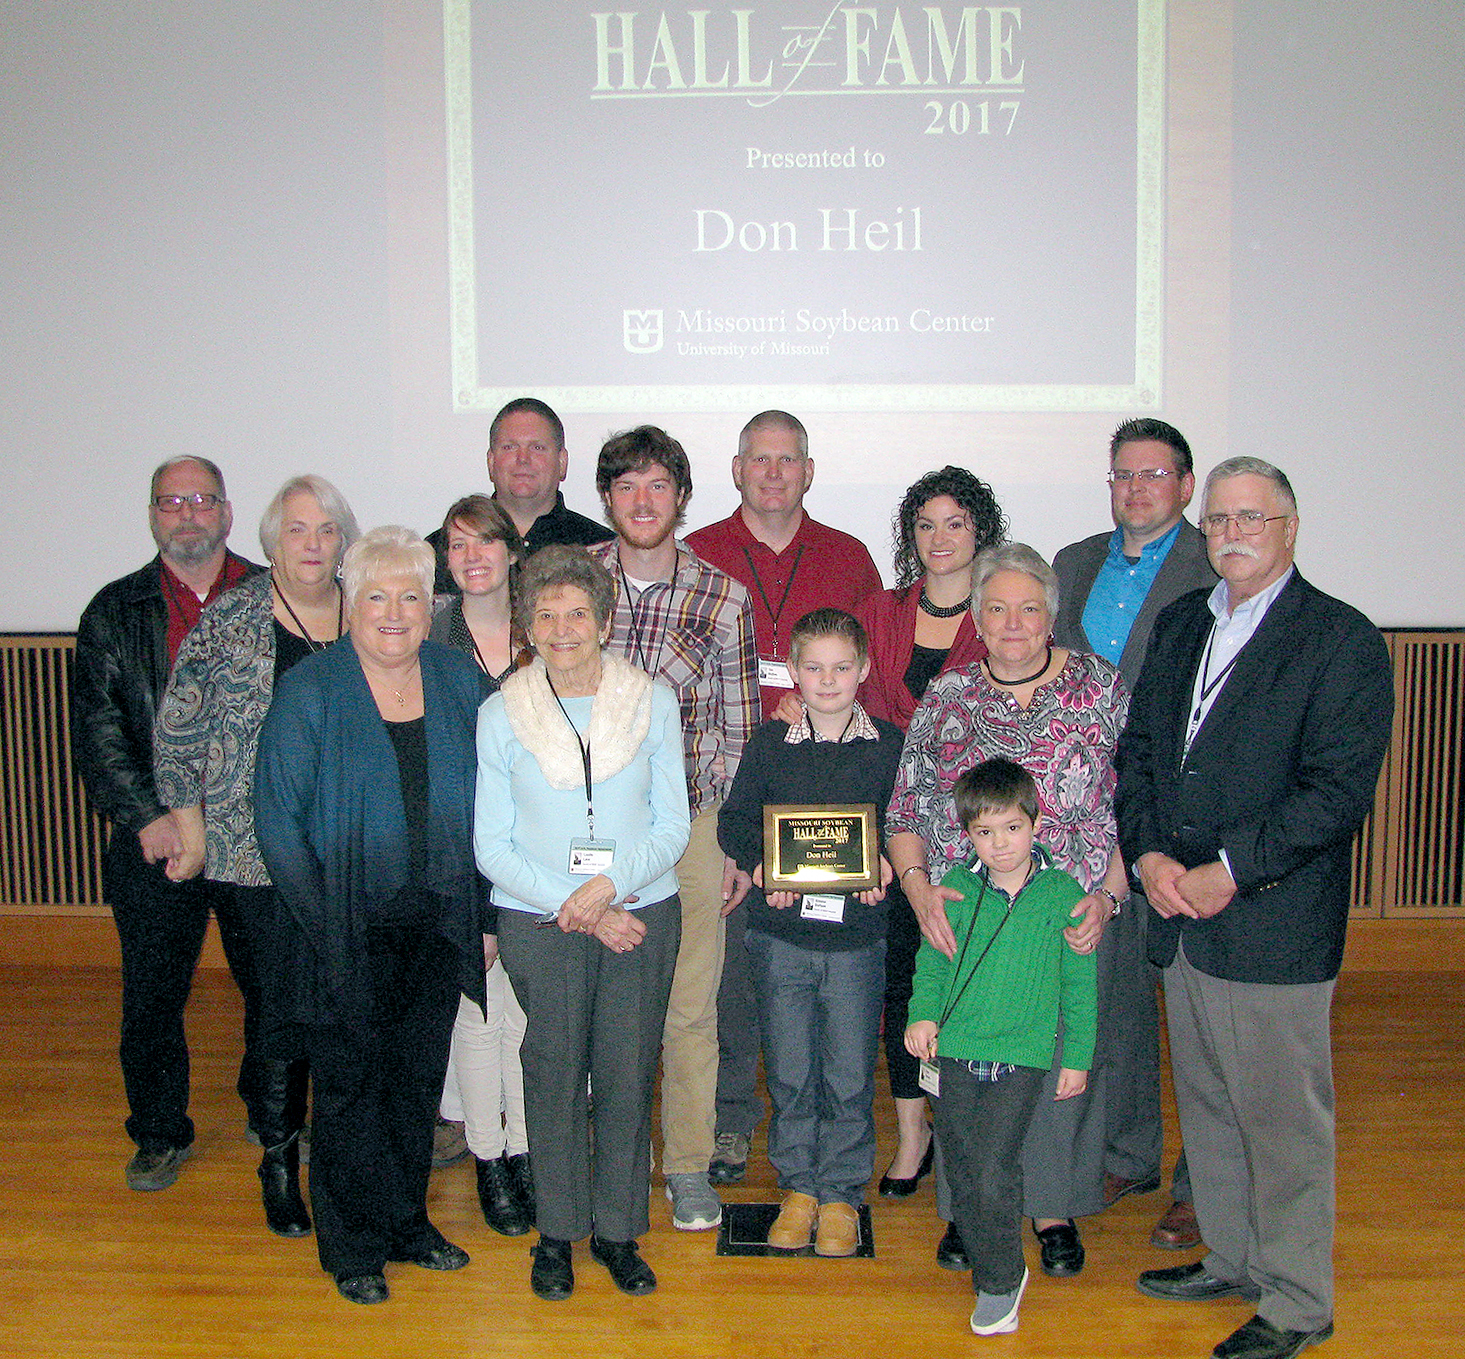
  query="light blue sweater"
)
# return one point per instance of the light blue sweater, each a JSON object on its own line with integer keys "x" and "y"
{"x": 522, "y": 827}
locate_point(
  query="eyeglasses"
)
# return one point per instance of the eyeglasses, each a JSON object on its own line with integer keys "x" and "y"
{"x": 1249, "y": 522}
{"x": 172, "y": 504}
{"x": 1147, "y": 475}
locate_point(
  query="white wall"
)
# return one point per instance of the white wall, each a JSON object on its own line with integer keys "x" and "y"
{"x": 205, "y": 211}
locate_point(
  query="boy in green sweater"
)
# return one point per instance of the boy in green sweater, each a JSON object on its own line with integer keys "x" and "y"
{"x": 987, "y": 1020}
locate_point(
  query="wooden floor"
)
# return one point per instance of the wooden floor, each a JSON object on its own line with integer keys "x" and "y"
{"x": 88, "y": 1268}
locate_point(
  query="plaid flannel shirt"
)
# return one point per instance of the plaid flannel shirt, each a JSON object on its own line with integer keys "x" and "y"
{"x": 695, "y": 634}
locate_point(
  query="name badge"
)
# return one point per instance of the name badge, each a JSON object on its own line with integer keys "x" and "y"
{"x": 589, "y": 857}
{"x": 930, "y": 1079}
{"x": 774, "y": 674}
{"x": 822, "y": 906}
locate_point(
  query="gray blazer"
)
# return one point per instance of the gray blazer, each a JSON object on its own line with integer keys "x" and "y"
{"x": 1186, "y": 567}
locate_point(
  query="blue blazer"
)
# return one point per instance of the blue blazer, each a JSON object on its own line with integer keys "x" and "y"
{"x": 1281, "y": 775}
{"x": 333, "y": 831}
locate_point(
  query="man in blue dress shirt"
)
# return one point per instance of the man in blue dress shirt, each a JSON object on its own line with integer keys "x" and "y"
{"x": 1112, "y": 586}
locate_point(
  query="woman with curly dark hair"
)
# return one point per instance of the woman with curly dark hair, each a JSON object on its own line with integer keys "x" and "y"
{"x": 918, "y": 630}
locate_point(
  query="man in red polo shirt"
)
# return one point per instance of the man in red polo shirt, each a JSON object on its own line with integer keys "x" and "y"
{"x": 789, "y": 564}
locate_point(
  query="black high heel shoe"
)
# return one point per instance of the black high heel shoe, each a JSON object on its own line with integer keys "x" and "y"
{"x": 892, "y": 1187}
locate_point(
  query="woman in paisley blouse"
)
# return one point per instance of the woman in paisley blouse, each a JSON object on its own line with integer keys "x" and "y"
{"x": 1058, "y": 714}
{"x": 481, "y": 549}
{"x": 204, "y": 746}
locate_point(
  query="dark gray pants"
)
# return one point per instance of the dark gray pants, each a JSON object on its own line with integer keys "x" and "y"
{"x": 981, "y": 1125}
{"x": 597, "y": 1015}
{"x": 1132, "y": 1057}
{"x": 739, "y": 1109}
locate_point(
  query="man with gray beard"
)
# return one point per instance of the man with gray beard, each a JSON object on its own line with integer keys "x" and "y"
{"x": 126, "y": 644}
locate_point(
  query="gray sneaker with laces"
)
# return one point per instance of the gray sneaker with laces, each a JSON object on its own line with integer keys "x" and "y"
{"x": 996, "y": 1313}
{"x": 694, "y": 1205}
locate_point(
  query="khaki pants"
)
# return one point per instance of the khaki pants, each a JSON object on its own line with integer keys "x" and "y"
{"x": 689, "y": 1040}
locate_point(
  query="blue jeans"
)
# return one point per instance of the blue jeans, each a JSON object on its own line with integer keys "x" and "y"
{"x": 820, "y": 1014}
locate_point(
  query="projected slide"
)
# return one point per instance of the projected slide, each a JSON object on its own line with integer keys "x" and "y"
{"x": 822, "y": 206}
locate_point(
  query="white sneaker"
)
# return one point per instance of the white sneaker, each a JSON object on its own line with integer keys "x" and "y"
{"x": 996, "y": 1313}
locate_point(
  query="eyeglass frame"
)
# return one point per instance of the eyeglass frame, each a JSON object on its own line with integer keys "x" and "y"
{"x": 1243, "y": 518}
{"x": 1122, "y": 476}
{"x": 173, "y": 504}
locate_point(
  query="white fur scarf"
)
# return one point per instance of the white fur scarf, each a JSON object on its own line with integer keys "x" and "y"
{"x": 620, "y": 717}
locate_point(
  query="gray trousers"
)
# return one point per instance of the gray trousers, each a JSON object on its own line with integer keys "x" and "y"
{"x": 591, "y": 1014}
{"x": 1253, "y": 1071}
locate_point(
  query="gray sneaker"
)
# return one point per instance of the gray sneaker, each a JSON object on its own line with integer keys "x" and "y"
{"x": 155, "y": 1167}
{"x": 996, "y": 1313}
{"x": 694, "y": 1206}
{"x": 730, "y": 1159}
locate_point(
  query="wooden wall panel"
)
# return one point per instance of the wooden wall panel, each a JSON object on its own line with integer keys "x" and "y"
{"x": 1408, "y": 859}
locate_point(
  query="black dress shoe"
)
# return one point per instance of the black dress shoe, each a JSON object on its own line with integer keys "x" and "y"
{"x": 892, "y": 1187}
{"x": 553, "y": 1275}
{"x": 521, "y": 1180}
{"x": 444, "y": 1255}
{"x": 1190, "y": 1283}
{"x": 362, "y": 1288}
{"x": 1062, "y": 1254}
{"x": 628, "y": 1271}
{"x": 951, "y": 1250}
{"x": 501, "y": 1207}
{"x": 1259, "y": 1339}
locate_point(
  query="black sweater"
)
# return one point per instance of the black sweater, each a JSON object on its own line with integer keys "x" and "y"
{"x": 771, "y": 770}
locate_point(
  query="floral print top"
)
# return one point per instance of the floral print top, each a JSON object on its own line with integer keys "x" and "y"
{"x": 1064, "y": 738}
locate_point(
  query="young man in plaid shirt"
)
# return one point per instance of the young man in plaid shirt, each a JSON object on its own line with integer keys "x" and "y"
{"x": 690, "y": 626}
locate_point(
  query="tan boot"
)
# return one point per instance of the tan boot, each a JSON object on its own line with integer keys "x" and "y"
{"x": 839, "y": 1229}
{"x": 794, "y": 1224}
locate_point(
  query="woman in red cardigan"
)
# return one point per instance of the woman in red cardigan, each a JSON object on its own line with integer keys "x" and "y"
{"x": 918, "y": 630}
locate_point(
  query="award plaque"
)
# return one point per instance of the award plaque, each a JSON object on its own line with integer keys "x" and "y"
{"x": 826, "y": 848}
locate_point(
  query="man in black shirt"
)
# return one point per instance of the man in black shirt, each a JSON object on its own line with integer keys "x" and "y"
{"x": 527, "y": 460}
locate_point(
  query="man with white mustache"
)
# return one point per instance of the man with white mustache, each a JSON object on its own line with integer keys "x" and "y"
{"x": 1254, "y": 742}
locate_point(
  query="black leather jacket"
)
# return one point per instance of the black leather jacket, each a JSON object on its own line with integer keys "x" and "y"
{"x": 121, "y": 670}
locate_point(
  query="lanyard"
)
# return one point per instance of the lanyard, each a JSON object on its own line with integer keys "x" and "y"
{"x": 1208, "y": 686}
{"x": 295, "y": 618}
{"x": 633, "y": 626}
{"x": 971, "y": 926}
{"x": 584, "y": 760}
{"x": 774, "y": 614}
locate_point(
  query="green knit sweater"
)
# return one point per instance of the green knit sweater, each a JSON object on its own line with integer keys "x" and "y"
{"x": 1009, "y": 1010}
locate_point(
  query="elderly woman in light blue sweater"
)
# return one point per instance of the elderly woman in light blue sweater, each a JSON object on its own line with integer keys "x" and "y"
{"x": 580, "y": 817}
